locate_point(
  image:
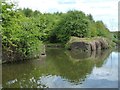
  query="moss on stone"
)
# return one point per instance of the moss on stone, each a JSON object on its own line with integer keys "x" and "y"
{"x": 84, "y": 44}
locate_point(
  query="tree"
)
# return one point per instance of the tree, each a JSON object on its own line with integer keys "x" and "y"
{"x": 90, "y": 17}
{"x": 28, "y": 12}
{"x": 73, "y": 23}
{"x": 102, "y": 30}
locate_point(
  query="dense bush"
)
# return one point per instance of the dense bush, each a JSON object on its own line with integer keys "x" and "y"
{"x": 18, "y": 33}
{"x": 76, "y": 23}
{"x": 73, "y": 23}
{"x": 24, "y": 30}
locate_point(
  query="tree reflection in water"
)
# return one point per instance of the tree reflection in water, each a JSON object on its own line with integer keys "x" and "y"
{"x": 70, "y": 66}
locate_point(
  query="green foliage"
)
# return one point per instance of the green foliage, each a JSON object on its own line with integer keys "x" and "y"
{"x": 73, "y": 23}
{"x": 116, "y": 37}
{"x": 18, "y": 33}
{"x": 27, "y": 12}
{"x": 23, "y": 30}
{"x": 101, "y": 29}
{"x": 93, "y": 29}
{"x": 76, "y": 23}
{"x": 90, "y": 17}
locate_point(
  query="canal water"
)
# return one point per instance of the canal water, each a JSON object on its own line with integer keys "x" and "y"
{"x": 64, "y": 69}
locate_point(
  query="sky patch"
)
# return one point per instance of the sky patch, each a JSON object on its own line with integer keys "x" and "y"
{"x": 105, "y": 10}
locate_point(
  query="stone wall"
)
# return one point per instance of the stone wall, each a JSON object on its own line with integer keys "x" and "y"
{"x": 85, "y": 45}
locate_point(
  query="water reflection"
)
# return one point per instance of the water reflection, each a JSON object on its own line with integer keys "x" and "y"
{"x": 105, "y": 76}
{"x": 59, "y": 69}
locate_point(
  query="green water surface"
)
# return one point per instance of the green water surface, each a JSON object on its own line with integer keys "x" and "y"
{"x": 64, "y": 69}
